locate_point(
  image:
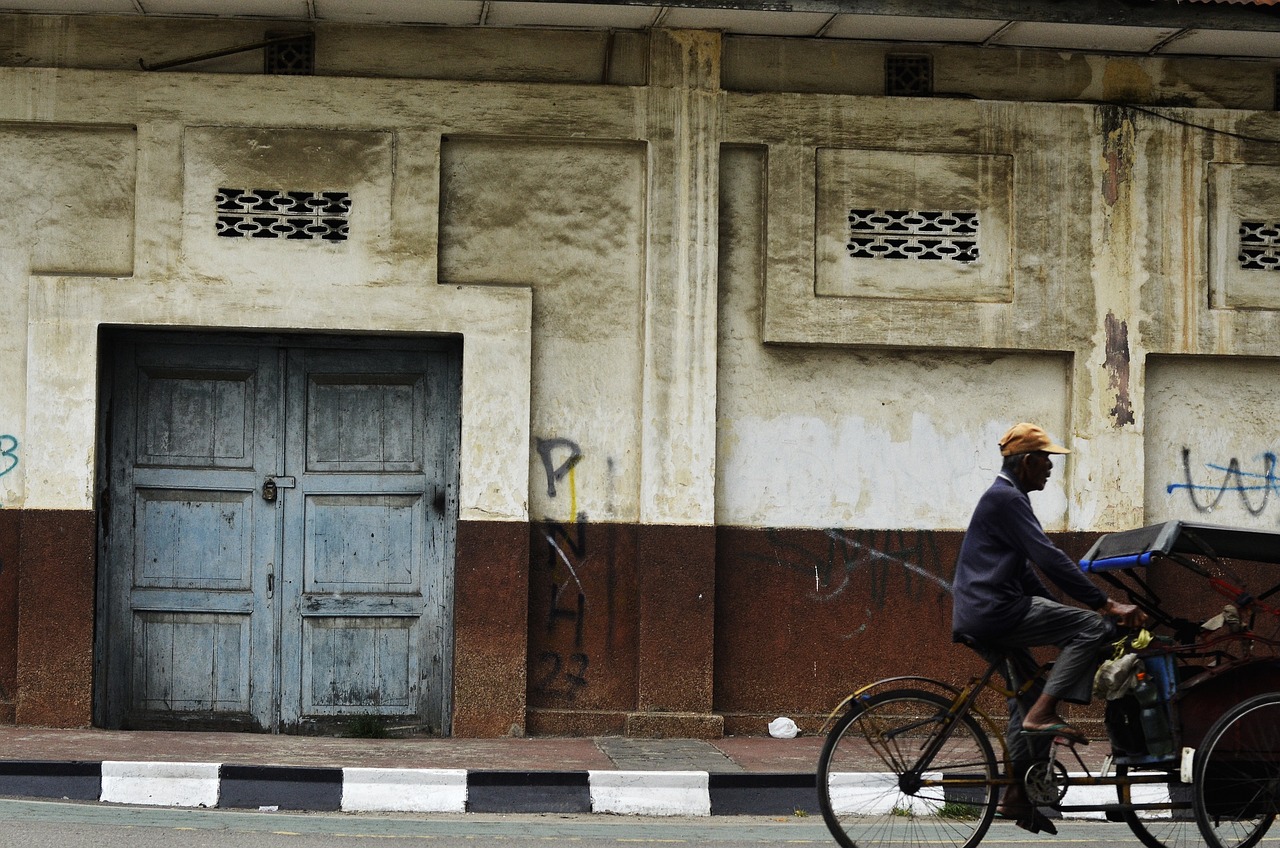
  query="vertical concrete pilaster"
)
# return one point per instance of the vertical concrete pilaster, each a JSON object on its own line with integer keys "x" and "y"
{"x": 1107, "y": 382}
{"x": 677, "y": 587}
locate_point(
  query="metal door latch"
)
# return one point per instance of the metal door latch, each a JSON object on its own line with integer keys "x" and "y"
{"x": 272, "y": 485}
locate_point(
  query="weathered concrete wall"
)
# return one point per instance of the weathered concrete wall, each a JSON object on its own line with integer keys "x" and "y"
{"x": 1052, "y": 76}
{"x": 668, "y": 347}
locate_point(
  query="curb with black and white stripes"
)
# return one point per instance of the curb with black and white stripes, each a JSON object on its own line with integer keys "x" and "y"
{"x": 641, "y": 793}
{"x": 644, "y": 793}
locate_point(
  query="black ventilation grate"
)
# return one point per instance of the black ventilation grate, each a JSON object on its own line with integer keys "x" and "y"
{"x": 286, "y": 54}
{"x": 1260, "y": 245}
{"x": 273, "y": 214}
{"x": 912, "y": 234}
{"x": 908, "y": 76}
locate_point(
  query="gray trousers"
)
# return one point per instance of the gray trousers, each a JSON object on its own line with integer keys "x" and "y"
{"x": 1080, "y": 635}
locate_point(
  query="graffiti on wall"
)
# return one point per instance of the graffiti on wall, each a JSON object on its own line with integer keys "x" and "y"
{"x": 547, "y": 449}
{"x": 888, "y": 563}
{"x": 8, "y": 453}
{"x": 560, "y": 671}
{"x": 1253, "y": 489}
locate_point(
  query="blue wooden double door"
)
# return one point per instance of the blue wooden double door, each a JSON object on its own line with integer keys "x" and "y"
{"x": 278, "y": 533}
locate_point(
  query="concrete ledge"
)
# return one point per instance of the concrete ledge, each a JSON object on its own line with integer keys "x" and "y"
{"x": 161, "y": 784}
{"x": 404, "y": 790}
{"x": 641, "y": 793}
{"x": 528, "y": 792}
{"x": 74, "y": 781}
{"x": 675, "y": 725}
{"x": 282, "y": 787}
{"x": 650, "y": 793}
{"x": 755, "y": 794}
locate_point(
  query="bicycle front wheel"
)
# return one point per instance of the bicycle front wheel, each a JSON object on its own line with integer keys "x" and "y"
{"x": 1237, "y": 774}
{"x": 874, "y": 792}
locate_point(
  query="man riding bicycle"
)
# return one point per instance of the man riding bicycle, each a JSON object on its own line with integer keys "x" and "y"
{"x": 1002, "y": 607}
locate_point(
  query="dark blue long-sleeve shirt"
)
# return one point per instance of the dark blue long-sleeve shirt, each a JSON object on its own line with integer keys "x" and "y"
{"x": 995, "y": 580}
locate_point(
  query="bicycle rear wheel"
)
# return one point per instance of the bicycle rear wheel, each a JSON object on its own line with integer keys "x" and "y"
{"x": 872, "y": 798}
{"x": 1237, "y": 774}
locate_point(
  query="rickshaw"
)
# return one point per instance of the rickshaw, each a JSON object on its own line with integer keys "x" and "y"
{"x": 1195, "y": 735}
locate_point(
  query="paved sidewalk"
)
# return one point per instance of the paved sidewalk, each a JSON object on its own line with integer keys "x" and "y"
{"x": 730, "y": 776}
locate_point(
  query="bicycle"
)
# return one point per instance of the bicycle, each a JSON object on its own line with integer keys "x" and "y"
{"x": 909, "y": 760}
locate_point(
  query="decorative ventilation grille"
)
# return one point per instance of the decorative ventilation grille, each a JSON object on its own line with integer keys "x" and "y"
{"x": 285, "y": 54}
{"x": 908, "y": 76}
{"x": 1260, "y": 245}
{"x": 268, "y": 213}
{"x": 908, "y": 234}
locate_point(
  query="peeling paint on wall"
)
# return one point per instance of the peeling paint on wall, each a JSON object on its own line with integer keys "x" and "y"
{"x": 1118, "y": 146}
{"x": 1116, "y": 362}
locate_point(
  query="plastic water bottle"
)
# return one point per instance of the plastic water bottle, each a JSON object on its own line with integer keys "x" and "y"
{"x": 1155, "y": 722}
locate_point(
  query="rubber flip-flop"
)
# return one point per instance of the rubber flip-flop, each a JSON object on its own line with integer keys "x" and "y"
{"x": 1062, "y": 729}
{"x": 1036, "y": 822}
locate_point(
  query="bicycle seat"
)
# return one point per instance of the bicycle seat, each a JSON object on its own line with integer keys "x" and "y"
{"x": 976, "y": 644}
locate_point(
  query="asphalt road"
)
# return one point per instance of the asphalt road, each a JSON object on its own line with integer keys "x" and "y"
{"x": 46, "y": 824}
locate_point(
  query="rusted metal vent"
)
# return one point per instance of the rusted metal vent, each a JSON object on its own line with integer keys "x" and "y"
{"x": 912, "y": 234}
{"x": 1260, "y": 245}
{"x": 284, "y": 54}
{"x": 908, "y": 76}
{"x": 271, "y": 213}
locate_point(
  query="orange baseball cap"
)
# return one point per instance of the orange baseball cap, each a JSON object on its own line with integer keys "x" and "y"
{"x": 1025, "y": 438}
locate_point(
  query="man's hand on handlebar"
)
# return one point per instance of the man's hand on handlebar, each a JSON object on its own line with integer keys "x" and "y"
{"x": 1127, "y": 615}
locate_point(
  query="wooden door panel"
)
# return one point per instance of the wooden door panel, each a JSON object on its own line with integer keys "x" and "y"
{"x": 191, "y": 632}
{"x": 364, "y": 543}
{"x": 368, "y": 467}
{"x": 364, "y": 422}
{"x": 201, "y": 418}
{"x": 361, "y": 664}
{"x": 193, "y": 539}
{"x": 191, "y": 663}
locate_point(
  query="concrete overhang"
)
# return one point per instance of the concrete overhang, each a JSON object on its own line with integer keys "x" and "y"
{"x": 1219, "y": 28}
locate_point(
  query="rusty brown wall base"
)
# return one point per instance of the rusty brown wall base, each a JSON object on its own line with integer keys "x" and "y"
{"x": 56, "y": 588}
{"x": 677, "y": 569}
{"x": 9, "y": 558}
{"x": 583, "y": 620}
{"x": 675, "y": 725}
{"x": 551, "y": 722}
{"x": 804, "y": 617}
{"x": 491, "y": 597}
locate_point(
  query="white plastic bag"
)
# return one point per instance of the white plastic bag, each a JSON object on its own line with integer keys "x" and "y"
{"x": 783, "y": 728}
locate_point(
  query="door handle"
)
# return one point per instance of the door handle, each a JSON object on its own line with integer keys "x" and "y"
{"x": 271, "y": 580}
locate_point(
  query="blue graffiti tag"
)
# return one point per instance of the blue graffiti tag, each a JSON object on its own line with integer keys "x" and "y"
{"x": 1233, "y": 478}
{"x": 8, "y": 453}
